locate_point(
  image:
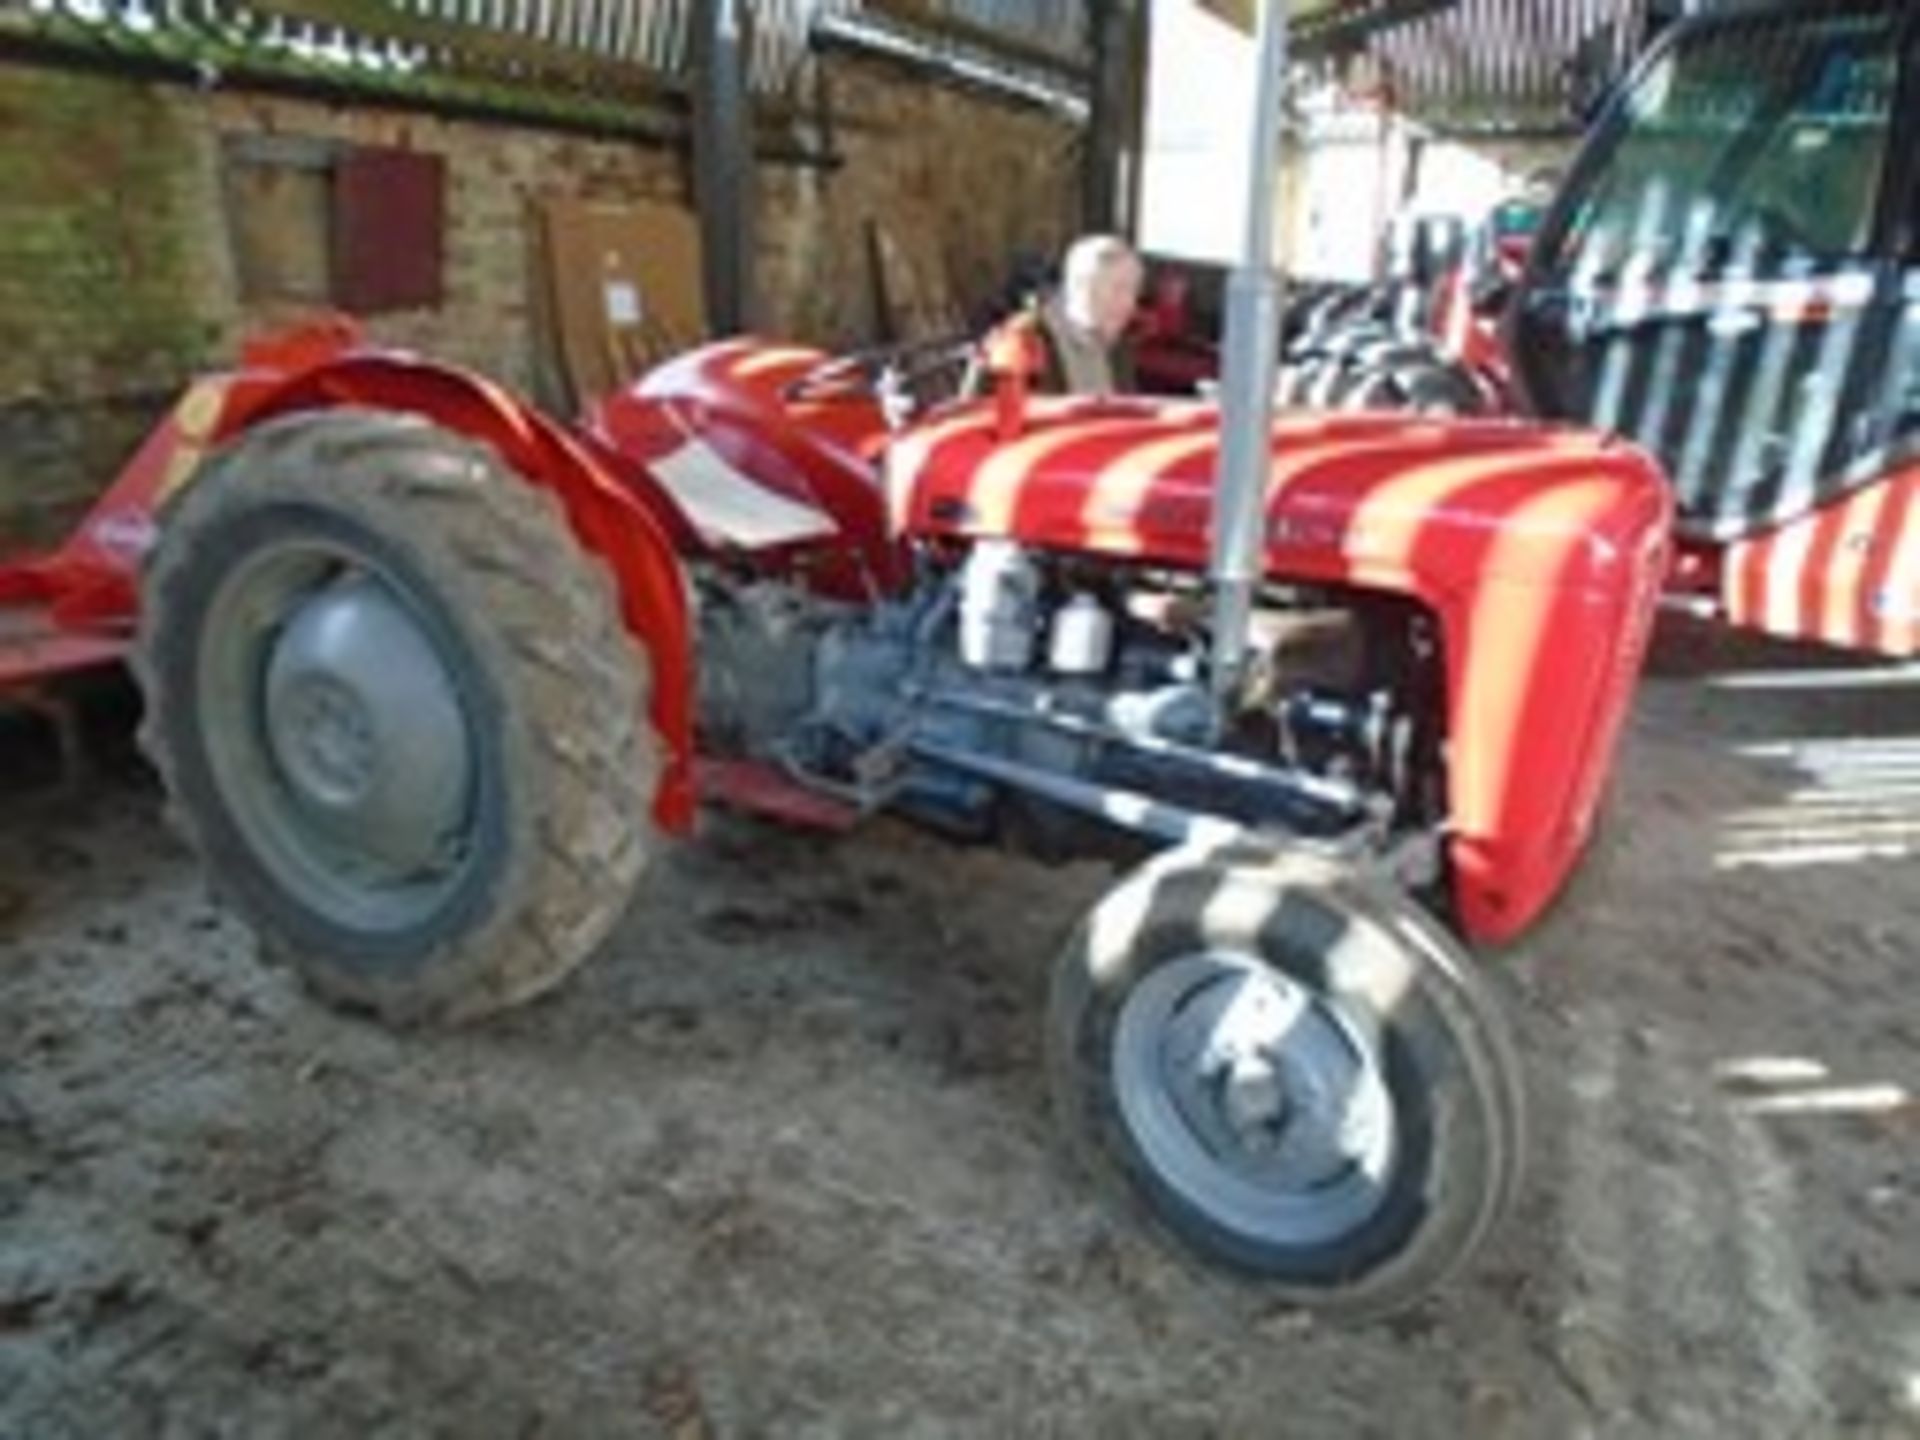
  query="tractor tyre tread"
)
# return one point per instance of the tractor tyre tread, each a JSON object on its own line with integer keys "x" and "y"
{"x": 1151, "y": 910}
{"x": 543, "y": 616}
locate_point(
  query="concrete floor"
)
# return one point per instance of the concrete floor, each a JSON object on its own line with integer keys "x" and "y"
{"x": 778, "y": 1163}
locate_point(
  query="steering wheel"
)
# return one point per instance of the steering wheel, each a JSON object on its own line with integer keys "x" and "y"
{"x": 877, "y": 371}
{"x": 853, "y": 376}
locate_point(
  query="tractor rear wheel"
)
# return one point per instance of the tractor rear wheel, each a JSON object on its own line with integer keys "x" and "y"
{"x": 397, "y": 713}
{"x": 1285, "y": 1068}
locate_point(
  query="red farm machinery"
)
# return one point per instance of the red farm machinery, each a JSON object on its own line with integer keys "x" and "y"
{"x": 427, "y": 676}
{"x": 1729, "y": 277}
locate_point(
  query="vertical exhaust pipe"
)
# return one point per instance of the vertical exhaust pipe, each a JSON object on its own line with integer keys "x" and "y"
{"x": 1250, "y": 358}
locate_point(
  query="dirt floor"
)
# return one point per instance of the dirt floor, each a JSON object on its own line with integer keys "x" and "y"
{"x": 779, "y": 1163}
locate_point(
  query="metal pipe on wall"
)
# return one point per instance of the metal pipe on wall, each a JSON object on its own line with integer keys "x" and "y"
{"x": 857, "y": 35}
{"x": 723, "y": 176}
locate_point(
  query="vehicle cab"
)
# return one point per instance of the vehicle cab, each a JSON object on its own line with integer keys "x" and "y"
{"x": 1731, "y": 274}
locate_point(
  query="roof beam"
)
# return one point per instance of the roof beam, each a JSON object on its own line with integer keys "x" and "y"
{"x": 1343, "y": 29}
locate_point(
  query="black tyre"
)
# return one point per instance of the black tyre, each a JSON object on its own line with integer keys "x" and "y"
{"x": 1407, "y": 380}
{"x": 1354, "y": 389}
{"x": 397, "y": 714}
{"x": 1284, "y": 1067}
{"x": 1323, "y": 383}
{"x": 1439, "y": 388}
{"x": 1290, "y": 386}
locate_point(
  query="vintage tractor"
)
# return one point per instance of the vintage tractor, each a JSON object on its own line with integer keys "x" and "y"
{"x": 426, "y": 674}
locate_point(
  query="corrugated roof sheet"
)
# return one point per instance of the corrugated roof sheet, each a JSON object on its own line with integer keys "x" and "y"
{"x": 1499, "y": 63}
{"x": 599, "y": 47}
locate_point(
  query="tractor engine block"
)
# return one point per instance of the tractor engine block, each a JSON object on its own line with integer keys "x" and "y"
{"x": 1010, "y": 688}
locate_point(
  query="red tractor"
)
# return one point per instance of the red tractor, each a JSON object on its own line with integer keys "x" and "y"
{"x": 427, "y": 674}
{"x": 421, "y": 677}
{"x": 1730, "y": 278}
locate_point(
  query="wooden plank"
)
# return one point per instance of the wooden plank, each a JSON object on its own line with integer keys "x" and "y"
{"x": 623, "y": 288}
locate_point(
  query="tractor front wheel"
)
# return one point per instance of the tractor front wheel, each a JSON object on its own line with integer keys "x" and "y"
{"x": 397, "y": 713}
{"x": 1285, "y": 1068}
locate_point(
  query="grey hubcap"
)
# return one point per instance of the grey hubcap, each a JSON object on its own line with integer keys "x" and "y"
{"x": 364, "y": 724}
{"x": 1255, "y": 1099}
{"x": 337, "y": 734}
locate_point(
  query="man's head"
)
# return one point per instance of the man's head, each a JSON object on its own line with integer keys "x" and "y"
{"x": 1100, "y": 285}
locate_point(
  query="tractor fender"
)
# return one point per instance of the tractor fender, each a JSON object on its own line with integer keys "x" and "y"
{"x": 608, "y": 522}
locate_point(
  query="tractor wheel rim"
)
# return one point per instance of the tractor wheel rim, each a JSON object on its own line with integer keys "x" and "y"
{"x": 1257, "y": 1100}
{"x": 337, "y": 733}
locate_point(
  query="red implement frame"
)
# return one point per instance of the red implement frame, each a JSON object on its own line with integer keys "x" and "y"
{"x": 79, "y": 604}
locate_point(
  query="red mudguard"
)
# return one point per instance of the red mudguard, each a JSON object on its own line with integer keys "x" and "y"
{"x": 90, "y": 586}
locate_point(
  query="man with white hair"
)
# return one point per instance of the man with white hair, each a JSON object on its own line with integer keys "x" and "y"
{"x": 1081, "y": 328}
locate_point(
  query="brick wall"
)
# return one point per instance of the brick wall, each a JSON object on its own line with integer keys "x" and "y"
{"x": 976, "y": 180}
{"x": 118, "y": 277}
{"x": 99, "y": 279}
